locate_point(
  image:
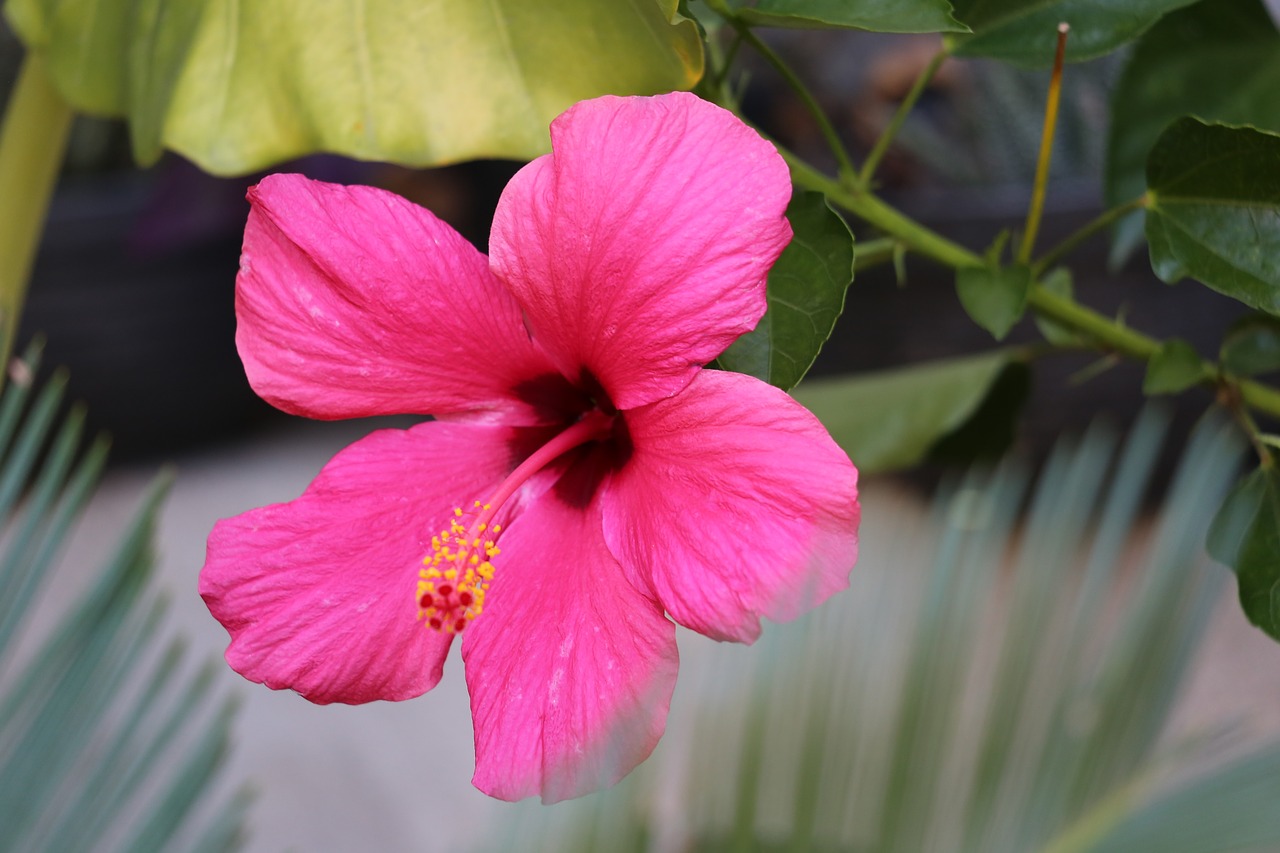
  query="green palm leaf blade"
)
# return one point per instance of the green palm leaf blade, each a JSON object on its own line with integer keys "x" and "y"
{"x": 37, "y": 540}
{"x": 185, "y": 787}
{"x": 105, "y": 744}
{"x": 108, "y": 784}
{"x": 998, "y": 678}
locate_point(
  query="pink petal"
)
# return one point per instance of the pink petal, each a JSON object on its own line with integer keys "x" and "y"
{"x": 352, "y": 301}
{"x": 735, "y": 504}
{"x": 570, "y": 668}
{"x": 319, "y": 594}
{"x": 639, "y": 247}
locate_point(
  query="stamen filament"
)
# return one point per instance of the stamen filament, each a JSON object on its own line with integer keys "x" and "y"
{"x": 452, "y": 587}
{"x": 593, "y": 425}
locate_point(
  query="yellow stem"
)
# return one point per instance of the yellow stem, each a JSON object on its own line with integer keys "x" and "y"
{"x": 1046, "y": 150}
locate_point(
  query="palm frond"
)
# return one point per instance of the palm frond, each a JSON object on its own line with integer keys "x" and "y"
{"x": 104, "y": 743}
{"x": 998, "y": 678}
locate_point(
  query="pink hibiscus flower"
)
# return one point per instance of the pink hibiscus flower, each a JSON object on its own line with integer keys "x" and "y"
{"x": 584, "y": 479}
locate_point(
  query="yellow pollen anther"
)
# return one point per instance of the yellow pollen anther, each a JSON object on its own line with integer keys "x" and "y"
{"x": 456, "y": 574}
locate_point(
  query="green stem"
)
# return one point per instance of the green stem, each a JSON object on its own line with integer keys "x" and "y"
{"x": 1250, "y": 427}
{"x": 1036, "y": 209}
{"x": 1068, "y": 245}
{"x": 802, "y": 92}
{"x": 719, "y": 61}
{"x": 895, "y": 124}
{"x": 1106, "y": 333}
{"x": 32, "y": 142}
{"x": 873, "y": 211}
{"x": 1110, "y": 334}
{"x": 870, "y": 253}
{"x": 729, "y": 56}
{"x": 1264, "y": 398}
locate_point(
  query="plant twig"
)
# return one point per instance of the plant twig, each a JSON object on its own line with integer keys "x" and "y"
{"x": 1232, "y": 400}
{"x": 870, "y": 253}
{"x": 722, "y": 60}
{"x": 1060, "y": 251}
{"x": 1106, "y": 334}
{"x": 900, "y": 115}
{"x": 1046, "y": 149}
{"x": 1112, "y": 334}
{"x": 844, "y": 163}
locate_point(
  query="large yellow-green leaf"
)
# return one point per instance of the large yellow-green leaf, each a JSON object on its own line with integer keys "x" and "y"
{"x": 237, "y": 85}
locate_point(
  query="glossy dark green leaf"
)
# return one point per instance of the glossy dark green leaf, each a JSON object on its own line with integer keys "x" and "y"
{"x": 1175, "y": 367}
{"x": 1218, "y": 60}
{"x": 994, "y": 297}
{"x": 1214, "y": 211}
{"x": 1252, "y": 346}
{"x": 884, "y": 16}
{"x": 1245, "y": 535}
{"x": 806, "y": 295}
{"x": 1026, "y": 31}
{"x": 238, "y": 87}
{"x": 890, "y": 419}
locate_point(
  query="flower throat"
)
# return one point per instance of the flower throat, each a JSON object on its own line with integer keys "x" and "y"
{"x": 456, "y": 574}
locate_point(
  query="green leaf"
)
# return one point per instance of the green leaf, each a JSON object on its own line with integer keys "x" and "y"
{"x": 890, "y": 419}
{"x": 990, "y": 429}
{"x": 1214, "y": 210}
{"x": 882, "y": 16}
{"x": 1026, "y": 32}
{"x": 1252, "y": 346}
{"x": 1219, "y": 61}
{"x": 1059, "y": 283}
{"x": 1245, "y": 535}
{"x": 806, "y": 295}
{"x": 1175, "y": 367}
{"x": 238, "y": 87}
{"x": 994, "y": 297}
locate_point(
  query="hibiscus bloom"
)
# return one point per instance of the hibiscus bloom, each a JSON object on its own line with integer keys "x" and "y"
{"x": 584, "y": 485}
